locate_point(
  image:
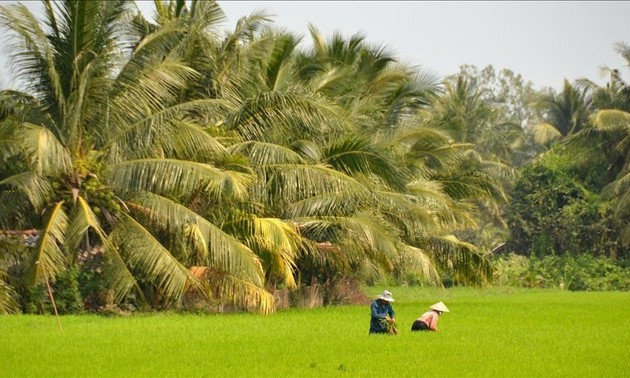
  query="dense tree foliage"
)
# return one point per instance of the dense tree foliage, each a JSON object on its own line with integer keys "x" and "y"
{"x": 158, "y": 149}
{"x": 161, "y": 158}
{"x": 104, "y": 153}
{"x": 573, "y": 199}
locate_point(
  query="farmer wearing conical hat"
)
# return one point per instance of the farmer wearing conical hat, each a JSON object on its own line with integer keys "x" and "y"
{"x": 428, "y": 321}
{"x": 382, "y": 314}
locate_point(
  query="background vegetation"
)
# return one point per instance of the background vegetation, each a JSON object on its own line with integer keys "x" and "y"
{"x": 146, "y": 162}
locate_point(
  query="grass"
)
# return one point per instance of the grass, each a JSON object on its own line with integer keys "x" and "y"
{"x": 489, "y": 333}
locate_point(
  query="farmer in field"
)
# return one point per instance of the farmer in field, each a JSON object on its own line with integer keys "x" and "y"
{"x": 428, "y": 321}
{"x": 382, "y": 314}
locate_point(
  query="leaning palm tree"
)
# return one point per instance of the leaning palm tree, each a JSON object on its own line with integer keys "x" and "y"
{"x": 108, "y": 154}
{"x": 325, "y": 149}
{"x": 290, "y": 133}
{"x": 323, "y": 186}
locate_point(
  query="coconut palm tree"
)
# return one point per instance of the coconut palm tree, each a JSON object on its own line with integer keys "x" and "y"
{"x": 367, "y": 126}
{"x": 615, "y": 94}
{"x": 565, "y": 113}
{"x": 614, "y": 126}
{"x": 487, "y": 144}
{"x": 108, "y": 154}
{"x": 609, "y": 124}
{"x": 322, "y": 186}
{"x": 291, "y": 134}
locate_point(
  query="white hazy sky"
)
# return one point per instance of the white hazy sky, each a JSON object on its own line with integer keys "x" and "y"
{"x": 544, "y": 41}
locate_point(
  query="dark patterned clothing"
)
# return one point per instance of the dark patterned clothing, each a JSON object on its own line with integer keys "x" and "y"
{"x": 378, "y": 314}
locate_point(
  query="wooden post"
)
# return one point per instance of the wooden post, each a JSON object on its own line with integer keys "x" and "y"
{"x": 52, "y": 300}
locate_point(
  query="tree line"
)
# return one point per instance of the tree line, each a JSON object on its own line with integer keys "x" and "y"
{"x": 161, "y": 157}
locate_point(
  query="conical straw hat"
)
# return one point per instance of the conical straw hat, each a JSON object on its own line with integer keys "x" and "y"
{"x": 439, "y": 307}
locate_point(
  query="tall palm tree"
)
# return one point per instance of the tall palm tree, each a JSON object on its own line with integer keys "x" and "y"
{"x": 565, "y": 113}
{"x": 379, "y": 100}
{"x": 303, "y": 147}
{"x": 615, "y": 94}
{"x": 610, "y": 123}
{"x": 614, "y": 126}
{"x": 483, "y": 171}
{"x": 108, "y": 154}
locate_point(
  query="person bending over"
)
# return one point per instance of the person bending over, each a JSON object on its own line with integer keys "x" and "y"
{"x": 428, "y": 321}
{"x": 383, "y": 318}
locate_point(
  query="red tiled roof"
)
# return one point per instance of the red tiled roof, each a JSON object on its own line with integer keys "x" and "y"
{"x": 30, "y": 232}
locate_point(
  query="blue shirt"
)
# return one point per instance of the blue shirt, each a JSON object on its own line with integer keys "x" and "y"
{"x": 378, "y": 314}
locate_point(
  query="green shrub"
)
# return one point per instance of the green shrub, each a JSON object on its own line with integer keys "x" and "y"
{"x": 92, "y": 283}
{"x": 66, "y": 292}
{"x": 556, "y": 207}
{"x": 583, "y": 272}
{"x": 34, "y": 300}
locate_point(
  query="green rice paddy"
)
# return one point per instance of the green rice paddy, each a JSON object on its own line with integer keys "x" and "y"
{"x": 488, "y": 333}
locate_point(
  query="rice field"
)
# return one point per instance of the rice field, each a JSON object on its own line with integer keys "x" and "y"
{"x": 488, "y": 333}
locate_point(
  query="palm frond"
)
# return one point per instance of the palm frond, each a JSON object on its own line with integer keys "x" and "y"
{"x": 193, "y": 234}
{"x": 152, "y": 131}
{"x": 271, "y": 114}
{"x": 186, "y": 140}
{"x": 456, "y": 215}
{"x": 359, "y": 155}
{"x": 152, "y": 86}
{"x": 623, "y": 49}
{"x": 328, "y": 204}
{"x": 328, "y": 79}
{"x": 610, "y": 120}
{"x": 225, "y": 253}
{"x": 48, "y": 258}
{"x": 158, "y": 42}
{"x": 228, "y": 57}
{"x": 33, "y": 57}
{"x": 340, "y": 243}
{"x": 412, "y": 213}
{"x": 499, "y": 170}
{"x": 545, "y": 133}
{"x": 378, "y": 237}
{"x": 625, "y": 235}
{"x": 246, "y": 28}
{"x": 19, "y": 107}
{"x": 276, "y": 64}
{"x": 119, "y": 278}
{"x": 472, "y": 184}
{"x": 310, "y": 150}
{"x": 177, "y": 176}
{"x": 460, "y": 259}
{"x": 16, "y": 210}
{"x": 622, "y": 211}
{"x": 419, "y": 261}
{"x": 263, "y": 154}
{"x": 432, "y": 147}
{"x": 281, "y": 240}
{"x": 622, "y": 185}
{"x": 294, "y": 182}
{"x": 34, "y": 186}
{"x": 141, "y": 251}
{"x": 44, "y": 151}
{"x": 246, "y": 293}
{"x": 8, "y": 297}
